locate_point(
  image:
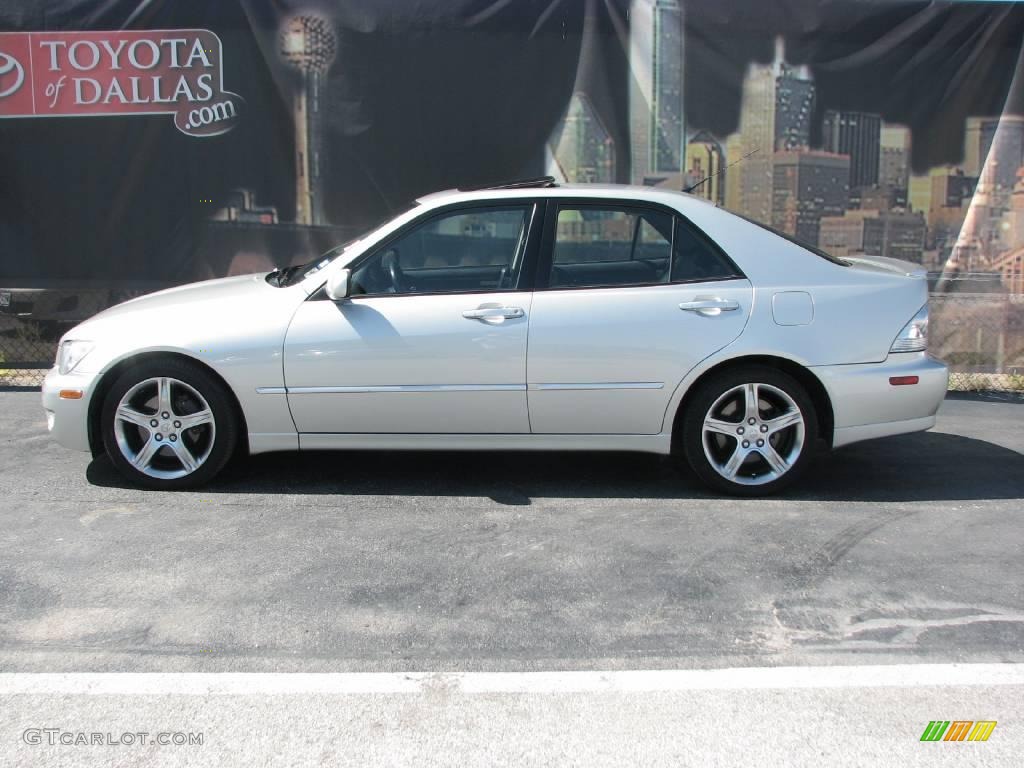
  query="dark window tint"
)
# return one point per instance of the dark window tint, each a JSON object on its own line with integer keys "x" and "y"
{"x": 461, "y": 252}
{"x": 598, "y": 246}
{"x": 695, "y": 257}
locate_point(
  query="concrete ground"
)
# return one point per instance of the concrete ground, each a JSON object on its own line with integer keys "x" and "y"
{"x": 900, "y": 551}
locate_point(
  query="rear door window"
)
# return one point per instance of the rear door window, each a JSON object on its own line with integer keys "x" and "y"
{"x": 597, "y": 246}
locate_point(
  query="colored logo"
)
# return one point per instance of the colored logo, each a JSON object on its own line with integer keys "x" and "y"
{"x": 175, "y": 72}
{"x": 958, "y": 730}
{"x": 12, "y": 75}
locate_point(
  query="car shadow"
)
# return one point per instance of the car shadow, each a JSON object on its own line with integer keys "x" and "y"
{"x": 927, "y": 466}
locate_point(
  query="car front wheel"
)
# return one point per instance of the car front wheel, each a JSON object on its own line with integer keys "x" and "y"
{"x": 168, "y": 424}
{"x": 749, "y": 431}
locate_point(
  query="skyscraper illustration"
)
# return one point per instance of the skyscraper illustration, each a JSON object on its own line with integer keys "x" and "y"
{"x": 794, "y": 102}
{"x": 808, "y": 185}
{"x": 993, "y": 153}
{"x": 859, "y": 135}
{"x": 656, "y": 108}
{"x": 308, "y": 44}
{"x": 894, "y": 156}
{"x": 775, "y": 114}
{"x": 706, "y": 159}
{"x": 581, "y": 150}
{"x": 994, "y": 150}
{"x": 734, "y": 171}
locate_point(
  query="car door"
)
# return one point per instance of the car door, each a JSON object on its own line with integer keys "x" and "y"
{"x": 433, "y": 336}
{"x": 629, "y": 299}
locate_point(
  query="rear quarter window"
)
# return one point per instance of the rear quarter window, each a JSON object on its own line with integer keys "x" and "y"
{"x": 696, "y": 258}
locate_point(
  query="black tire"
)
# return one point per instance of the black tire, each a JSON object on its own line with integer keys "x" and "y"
{"x": 755, "y": 476}
{"x": 220, "y": 441}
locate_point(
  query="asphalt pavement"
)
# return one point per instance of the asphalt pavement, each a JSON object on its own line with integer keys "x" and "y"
{"x": 901, "y": 551}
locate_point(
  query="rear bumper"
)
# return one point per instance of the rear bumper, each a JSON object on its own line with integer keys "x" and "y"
{"x": 68, "y": 420}
{"x": 865, "y": 405}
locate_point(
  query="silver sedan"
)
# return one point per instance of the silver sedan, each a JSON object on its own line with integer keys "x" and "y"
{"x": 526, "y": 316}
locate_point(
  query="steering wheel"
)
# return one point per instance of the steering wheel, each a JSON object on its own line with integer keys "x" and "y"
{"x": 390, "y": 263}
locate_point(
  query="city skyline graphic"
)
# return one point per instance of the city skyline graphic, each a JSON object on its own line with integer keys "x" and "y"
{"x": 853, "y": 193}
{"x": 888, "y": 129}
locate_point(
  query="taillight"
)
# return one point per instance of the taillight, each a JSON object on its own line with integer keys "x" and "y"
{"x": 914, "y": 336}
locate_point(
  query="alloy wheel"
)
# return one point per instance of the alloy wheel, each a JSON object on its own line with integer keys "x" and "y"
{"x": 164, "y": 428}
{"x": 753, "y": 434}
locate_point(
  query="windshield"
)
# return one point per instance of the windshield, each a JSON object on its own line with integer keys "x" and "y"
{"x": 298, "y": 272}
{"x": 785, "y": 236}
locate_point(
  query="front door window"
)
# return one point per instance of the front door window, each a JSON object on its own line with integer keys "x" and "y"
{"x": 465, "y": 251}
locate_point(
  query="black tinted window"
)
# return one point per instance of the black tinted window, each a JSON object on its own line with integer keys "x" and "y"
{"x": 696, "y": 258}
{"x": 464, "y": 251}
{"x": 598, "y": 246}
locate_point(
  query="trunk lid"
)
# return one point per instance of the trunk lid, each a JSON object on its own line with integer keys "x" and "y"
{"x": 887, "y": 265}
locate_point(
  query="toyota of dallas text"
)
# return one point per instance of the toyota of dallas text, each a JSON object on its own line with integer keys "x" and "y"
{"x": 526, "y": 316}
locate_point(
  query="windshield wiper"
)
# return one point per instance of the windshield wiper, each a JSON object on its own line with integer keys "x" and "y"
{"x": 281, "y": 276}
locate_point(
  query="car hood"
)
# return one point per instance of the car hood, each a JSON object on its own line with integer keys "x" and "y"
{"x": 196, "y": 295}
{"x": 191, "y": 317}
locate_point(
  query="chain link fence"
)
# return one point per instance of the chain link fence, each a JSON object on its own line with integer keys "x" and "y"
{"x": 32, "y": 320}
{"x": 979, "y": 335}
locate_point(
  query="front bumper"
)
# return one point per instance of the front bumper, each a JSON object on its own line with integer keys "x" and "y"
{"x": 68, "y": 420}
{"x": 865, "y": 405}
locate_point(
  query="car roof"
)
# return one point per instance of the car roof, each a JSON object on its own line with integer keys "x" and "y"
{"x": 670, "y": 197}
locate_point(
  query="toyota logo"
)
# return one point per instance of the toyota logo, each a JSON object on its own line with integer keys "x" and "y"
{"x": 10, "y": 64}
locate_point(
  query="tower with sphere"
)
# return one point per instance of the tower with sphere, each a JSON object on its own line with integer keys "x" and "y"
{"x": 308, "y": 44}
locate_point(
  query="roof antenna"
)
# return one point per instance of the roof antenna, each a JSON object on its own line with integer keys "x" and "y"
{"x": 719, "y": 172}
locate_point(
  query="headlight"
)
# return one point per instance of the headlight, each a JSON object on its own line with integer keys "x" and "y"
{"x": 71, "y": 353}
{"x": 914, "y": 336}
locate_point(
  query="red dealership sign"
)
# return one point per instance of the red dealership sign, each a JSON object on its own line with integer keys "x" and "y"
{"x": 150, "y": 72}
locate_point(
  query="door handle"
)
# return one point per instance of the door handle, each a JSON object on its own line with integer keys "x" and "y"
{"x": 488, "y": 314}
{"x": 710, "y": 307}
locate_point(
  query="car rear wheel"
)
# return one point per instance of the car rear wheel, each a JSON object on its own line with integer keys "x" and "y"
{"x": 168, "y": 424}
{"x": 749, "y": 431}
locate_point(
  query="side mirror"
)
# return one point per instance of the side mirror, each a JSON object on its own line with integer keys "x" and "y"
{"x": 339, "y": 284}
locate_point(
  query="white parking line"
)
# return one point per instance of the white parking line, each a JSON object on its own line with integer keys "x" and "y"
{"x": 748, "y": 678}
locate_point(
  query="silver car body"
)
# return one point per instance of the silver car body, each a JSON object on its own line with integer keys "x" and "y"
{"x": 599, "y": 368}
